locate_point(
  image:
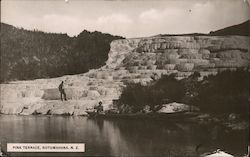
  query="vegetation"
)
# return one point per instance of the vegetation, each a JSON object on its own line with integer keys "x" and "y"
{"x": 226, "y": 92}
{"x": 165, "y": 90}
{"x": 35, "y": 54}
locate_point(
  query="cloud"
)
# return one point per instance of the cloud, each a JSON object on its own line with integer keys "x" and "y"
{"x": 129, "y": 20}
{"x": 117, "y": 18}
{"x": 114, "y": 23}
{"x": 151, "y": 14}
{"x": 198, "y": 17}
{"x": 60, "y": 23}
{"x": 168, "y": 20}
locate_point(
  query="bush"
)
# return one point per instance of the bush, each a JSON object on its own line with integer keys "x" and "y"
{"x": 226, "y": 92}
{"x": 165, "y": 90}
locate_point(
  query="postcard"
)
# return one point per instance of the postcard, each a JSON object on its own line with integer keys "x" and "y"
{"x": 127, "y": 78}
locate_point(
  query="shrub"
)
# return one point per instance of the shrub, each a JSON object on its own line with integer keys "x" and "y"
{"x": 226, "y": 92}
{"x": 165, "y": 90}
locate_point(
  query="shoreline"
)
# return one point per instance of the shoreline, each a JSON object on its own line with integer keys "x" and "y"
{"x": 231, "y": 124}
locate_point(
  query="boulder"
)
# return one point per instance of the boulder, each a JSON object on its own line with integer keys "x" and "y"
{"x": 185, "y": 67}
{"x": 93, "y": 94}
{"x": 80, "y": 112}
{"x": 44, "y": 109}
{"x": 143, "y": 67}
{"x": 152, "y": 67}
{"x": 132, "y": 69}
{"x": 217, "y": 153}
{"x": 191, "y": 56}
{"x": 63, "y": 109}
{"x": 31, "y": 109}
{"x": 51, "y": 94}
{"x": 11, "y": 109}
{"x": 174, "y": 107}
{"x": 233, "y": 117}
{"x": 204, "y": 51}
{"x": 170, "y": 55}
{"x": 187, "y": 51}
{"x": 229, "y": 54}
{"x": 169, "y": 66}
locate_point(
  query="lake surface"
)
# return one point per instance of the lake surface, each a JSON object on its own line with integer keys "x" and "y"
{"x": 122, "y": 137}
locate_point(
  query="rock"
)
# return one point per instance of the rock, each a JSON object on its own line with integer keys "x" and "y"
{"x": 217, "y": 153}
{"x": 146, "y": 109}
{"x": 118, "y": 50}
{"x": 233, "y": 117}
{"x": 142, "y": 68}
{"x": 169, "y": 66}
{"x": 65, "y": 109}
{"x": 32, "y": 109}
{"x": 93, "y": 94}
{"x": 80, "y": 112}
{"x": 203, "y": 116}
{"x": 51, "y": 94}
{"x": 185, "y": 67}
{"x": 152, "y": 67}
{"x": 44, "y": 109}
{"x": 133, "y": 69}
{"x": 243, "y": 125}
{"x": 188, "y": 51}
{"x": 204, "y": 51}
{"x": 174, "y": 107}
{"x": 11, "y": 109}
{"x": 170, "y": 55}
{"x": 191, "y": 56}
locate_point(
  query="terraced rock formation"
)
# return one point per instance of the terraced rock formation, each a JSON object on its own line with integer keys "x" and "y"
{"x": 138, "y": 60}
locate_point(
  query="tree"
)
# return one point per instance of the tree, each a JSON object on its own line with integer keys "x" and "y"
{"x": 165, "y": 90}
{"x": 225, "y": 92}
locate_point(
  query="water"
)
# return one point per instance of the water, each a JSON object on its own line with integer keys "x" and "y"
{"x": 122, "y": 137}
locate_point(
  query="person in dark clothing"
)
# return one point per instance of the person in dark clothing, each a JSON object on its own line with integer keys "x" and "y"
{"x": 62, "y": 92}
{"x": 99, "y": 108}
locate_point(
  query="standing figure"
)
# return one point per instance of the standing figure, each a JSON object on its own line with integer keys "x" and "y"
{"x": 62, "y": 92}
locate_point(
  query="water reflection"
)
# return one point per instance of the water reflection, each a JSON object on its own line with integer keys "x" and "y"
{"x": 122, "y": 137}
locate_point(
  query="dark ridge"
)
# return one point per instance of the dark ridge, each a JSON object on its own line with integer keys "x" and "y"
{"x": 242, "y": 29}
{"x": 189, "y": 34}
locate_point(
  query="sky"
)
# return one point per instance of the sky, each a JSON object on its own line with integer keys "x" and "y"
{"x": 128, "y": 18}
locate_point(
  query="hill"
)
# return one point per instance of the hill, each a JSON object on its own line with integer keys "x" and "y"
{"x": 35, "y": 54}
{"x": 242, "y": 29}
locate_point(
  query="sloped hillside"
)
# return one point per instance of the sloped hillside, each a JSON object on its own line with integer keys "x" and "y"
{"x": 34, "y": 54}
{"x": 242, "y": 29}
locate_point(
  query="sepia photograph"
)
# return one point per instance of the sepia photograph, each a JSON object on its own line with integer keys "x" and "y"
{"x": 124, "y": 78}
